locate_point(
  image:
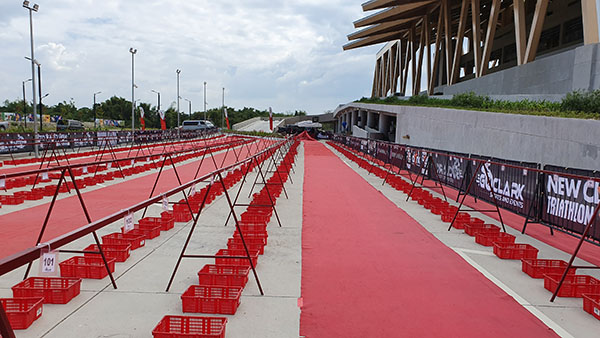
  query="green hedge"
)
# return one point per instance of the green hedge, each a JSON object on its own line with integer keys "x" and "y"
{"x": 585, "y": 105}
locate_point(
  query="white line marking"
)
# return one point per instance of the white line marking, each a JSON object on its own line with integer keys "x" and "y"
{"x": 529, "y": 307}
{"x": 476, "y": 252}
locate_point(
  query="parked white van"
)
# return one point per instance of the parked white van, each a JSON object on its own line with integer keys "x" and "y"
{"x": 197, "y": 125}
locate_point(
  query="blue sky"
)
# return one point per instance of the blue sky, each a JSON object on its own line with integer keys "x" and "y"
{"x": 285, "y": 54}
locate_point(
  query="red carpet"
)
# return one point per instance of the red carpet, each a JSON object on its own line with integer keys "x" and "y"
{"x": 19, "y": 230}
{"x": 370, "y": 270}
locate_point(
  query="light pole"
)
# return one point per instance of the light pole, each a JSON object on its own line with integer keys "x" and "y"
{"x": 39, "y": 68}
{"x": 154, "y": 91}
{"x": 223, "y": 110}
{"x": 42, "y": 108}
{"x": 190, "y": 107}
{"x": 133, "y": 51}
{"x": 25, "y": 102}
{"x": 94, "y": 108}
{"x": 178, "y": 71}
{"x": 35, "y": 129}
{"x": 204, "y": 100}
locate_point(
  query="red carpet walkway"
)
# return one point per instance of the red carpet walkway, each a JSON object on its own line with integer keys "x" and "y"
{"x": 19, "y": 229}
{"x": 370, "y": 270}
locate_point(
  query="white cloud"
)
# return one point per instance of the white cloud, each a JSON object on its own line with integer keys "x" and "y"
{"x": 58, "y": 57}
{"x": 286, "y": 54}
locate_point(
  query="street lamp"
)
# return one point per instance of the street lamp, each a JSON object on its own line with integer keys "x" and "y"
{"x": 157, "y": 93}
{"x": 94, "y": 108}
{"x": 223, "y": 110}
{"x": 42, "y": 108}
{"x": 39, "y": 68}
{"x": 25, "y": 102}
{"x": 35, "y": 129}
{"x": 204, "y": 100}
{"x": 133, "y": 51}
{"x": 178, "y": 71}
{"x": 190, "y": 106}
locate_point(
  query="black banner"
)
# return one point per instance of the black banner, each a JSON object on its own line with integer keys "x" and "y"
{"x": 452, "y": 168}
{"x": 509, "y": 182}
{"x": 398, "y": 156}
{"x": 23, "y": 142}
{"x": 383, "y": 152}
{"x": 569, "y": 202}
{"x": 415, "y": 159}
{"x": 14, "y": 143}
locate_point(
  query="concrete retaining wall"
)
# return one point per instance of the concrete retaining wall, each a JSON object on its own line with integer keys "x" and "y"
{"x": 547, "y": 140}
{"x": 551, "y": 76}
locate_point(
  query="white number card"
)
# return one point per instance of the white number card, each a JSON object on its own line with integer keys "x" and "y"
{"x": 49, "y": 263}
{"x": 128, "y": 222}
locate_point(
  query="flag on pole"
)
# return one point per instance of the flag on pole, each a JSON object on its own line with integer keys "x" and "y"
{"x": 163, "y": 124}
{"x": 227, "y": 118}
{"x": 271, "y": 118}
{"x": 142, "y": 122}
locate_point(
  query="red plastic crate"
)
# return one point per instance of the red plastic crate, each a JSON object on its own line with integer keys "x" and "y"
{"x": 86, "y": 267}
{"x": 460, "y": 224}
{"x": 120, "y": 252}
{"x": 591, "y": 305}
{"x": 537, "y": 268}
{"x": 22, "y": 312}
{"x": 167, "y": 224}
{"x": 182, "y": 216}
{"x": 135, "y": 241}
{"x": 223, "y": 275}
{"x": 447, "y": 216}
{"x": 251, "y": 236}
{"x": 53, "y": 290}
{"x": 245, "y": 227}
{"x": 515, "y": 251}
{"x": 254, "y": 244}
{"x": 487, "y": 239}
{"x": 476, "y": 221}
{"x": 472, "y": 229}
{"x": 573, "y": 286}
{"x": 190, "y": 327}
{"x": 262, "y": 233}
{"x": 148, "y": 231}
{"x": 155, "y": 221}
{"x": 34, "y": 195}
{"x": 211, "y": 299}
{"x": 252, "y": 223}
{"x": 167, "y": 214}
{"x": 221, "y": 260}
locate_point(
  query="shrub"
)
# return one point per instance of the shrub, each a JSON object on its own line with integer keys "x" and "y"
{"x": 470, "y": 100}
{"x": 580, "y": 101}
{"x": 419, "y": 99}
